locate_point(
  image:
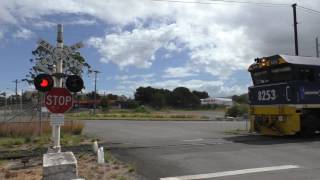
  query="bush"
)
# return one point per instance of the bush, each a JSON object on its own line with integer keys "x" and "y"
{"x": 129, "y": 104}
{"x": 237, "y": 110}
{"x": 141, "y": 109}
{"x": 104, "y": 104}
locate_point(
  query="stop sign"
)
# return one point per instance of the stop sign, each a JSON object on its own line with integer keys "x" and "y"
{"x": 58, "y": 100}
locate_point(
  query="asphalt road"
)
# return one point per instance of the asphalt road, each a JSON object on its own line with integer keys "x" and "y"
{"x": 203, "y": 150}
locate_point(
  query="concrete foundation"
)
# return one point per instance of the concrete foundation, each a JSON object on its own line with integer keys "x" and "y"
{"x": 59, "y": 166}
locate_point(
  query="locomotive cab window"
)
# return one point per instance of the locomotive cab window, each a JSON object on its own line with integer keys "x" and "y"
{"x": 306, "y": 74}
{"x": 260, "y": 77}
{"x": 281, "y": 74}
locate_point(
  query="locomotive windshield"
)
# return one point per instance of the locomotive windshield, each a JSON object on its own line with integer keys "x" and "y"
{"x": 267, "y": 76}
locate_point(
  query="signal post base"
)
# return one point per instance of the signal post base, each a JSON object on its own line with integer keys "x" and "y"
{"x": 54, "y": 149}
{"x": 59, "y": 166}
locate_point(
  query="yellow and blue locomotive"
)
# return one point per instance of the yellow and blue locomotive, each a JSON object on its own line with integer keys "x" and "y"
{"x": 285, "y": 96}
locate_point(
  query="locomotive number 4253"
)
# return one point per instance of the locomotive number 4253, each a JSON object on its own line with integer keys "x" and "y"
{"x": 267, "y": 95}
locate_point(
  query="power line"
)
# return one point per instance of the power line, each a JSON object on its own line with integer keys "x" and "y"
{"x": 251, "y": 2}
{"x": 184, "y": 2}
{"x": 224, "y": 1}
{"x": 309, "y": 10}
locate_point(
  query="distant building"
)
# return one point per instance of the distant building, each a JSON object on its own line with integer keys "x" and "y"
{"x": 218, "y": 101}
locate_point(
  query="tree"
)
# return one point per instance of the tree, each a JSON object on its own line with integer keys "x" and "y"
{"x": 182, "y": 97}
{"x": 158, "y": 100}
{"x": 112, "y": 97}
{"x": 144, "y": 95}
{"x": 242, "y": 99}
{"x": 90, "y": 95}
{"x": 41, "y": 53}
{"x": 200, "y": 94}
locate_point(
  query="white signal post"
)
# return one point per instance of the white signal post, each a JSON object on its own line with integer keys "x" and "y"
{"x": 59, "y": 70}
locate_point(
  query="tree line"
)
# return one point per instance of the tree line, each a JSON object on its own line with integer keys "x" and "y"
{"x": 180, "y": 97}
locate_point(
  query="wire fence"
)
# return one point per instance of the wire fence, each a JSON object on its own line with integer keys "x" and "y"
{"x": 28, "y": 118}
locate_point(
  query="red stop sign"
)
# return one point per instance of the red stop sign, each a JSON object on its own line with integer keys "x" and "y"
{"x": 58, "y": 100}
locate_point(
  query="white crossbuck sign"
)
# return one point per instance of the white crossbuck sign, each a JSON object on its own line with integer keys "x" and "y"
{"x": 55, "y": 54}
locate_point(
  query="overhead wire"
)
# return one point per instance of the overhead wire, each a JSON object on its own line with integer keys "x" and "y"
{"x": 251, "y": 2}
{"x": 309, "y": 10}
{"x": 238, "y": 2}
{"x": 265, "y": 4}
{"x": 226, "y": 1}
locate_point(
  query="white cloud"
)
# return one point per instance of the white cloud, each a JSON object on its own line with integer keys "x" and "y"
{"x": 48, "y": 24}
{"x": 22, "y": 34}
{"x": 1, "y": 34}
{"x": 136, "y": 48}
{"x": 220, "y": 51}
{"x": 86, "y": 22}
{"x": 111, "y": 11}
{"x": 43, "y": 24}
{"x": 134, "y": 76}
{"x": 213, "y": 47}
{"x": 178, "y": 72}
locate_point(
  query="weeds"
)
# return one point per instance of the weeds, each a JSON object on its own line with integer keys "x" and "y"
{"x": 28, "y": 129}
{"x": 108, "y": 157}
{"x": 131, "y": 168}
{"x": 11, "y": 141}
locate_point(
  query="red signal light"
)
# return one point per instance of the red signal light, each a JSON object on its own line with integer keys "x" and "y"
{"x": 44, "y": 83}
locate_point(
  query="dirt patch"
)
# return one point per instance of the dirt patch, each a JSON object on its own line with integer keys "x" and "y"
{"x": 87, "y": 166}
{"x": 16, "y": 170}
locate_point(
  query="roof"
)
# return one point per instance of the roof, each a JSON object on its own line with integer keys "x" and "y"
{"x": 301, "y": 60}
{"x": 219, "y": 99}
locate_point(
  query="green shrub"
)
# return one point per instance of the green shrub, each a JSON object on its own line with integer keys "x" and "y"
{"x": 129, "y": 104}
{"x": 237, "y": 110}
{"x": 104, "y": 104}
{"x": 141, "y": 109}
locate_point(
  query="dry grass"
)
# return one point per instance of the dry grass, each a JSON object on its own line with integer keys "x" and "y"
{"x": 22, "y": 129}
{"x": 87, "y": 167}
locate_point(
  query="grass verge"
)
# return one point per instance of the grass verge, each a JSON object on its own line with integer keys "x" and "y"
{"x": 22, "y": 143}
{"x": 125, "y": 115}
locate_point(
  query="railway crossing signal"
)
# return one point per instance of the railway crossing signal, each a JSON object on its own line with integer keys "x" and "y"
{"x": 43, "y": 82}
{"x": 59, "y": 63}
{"x": 74, "y": 83}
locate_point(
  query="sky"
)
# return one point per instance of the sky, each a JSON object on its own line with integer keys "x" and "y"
{"x": 204, "y": 45}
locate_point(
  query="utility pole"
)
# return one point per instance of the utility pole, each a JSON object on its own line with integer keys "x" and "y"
{"x": 16, "y": 89}
{"x": 5, "y": 106}
{"x": 4, "y": 94}
{"x": 21, "y": 100}
{"x": 294, "y": 6}
{"x": 95, "y": 91}
{"x": 16, "y": 81}
{"x": 317, "y": 47}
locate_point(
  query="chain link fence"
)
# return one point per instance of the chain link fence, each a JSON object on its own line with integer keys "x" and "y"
{"x": 21, "y": 113}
